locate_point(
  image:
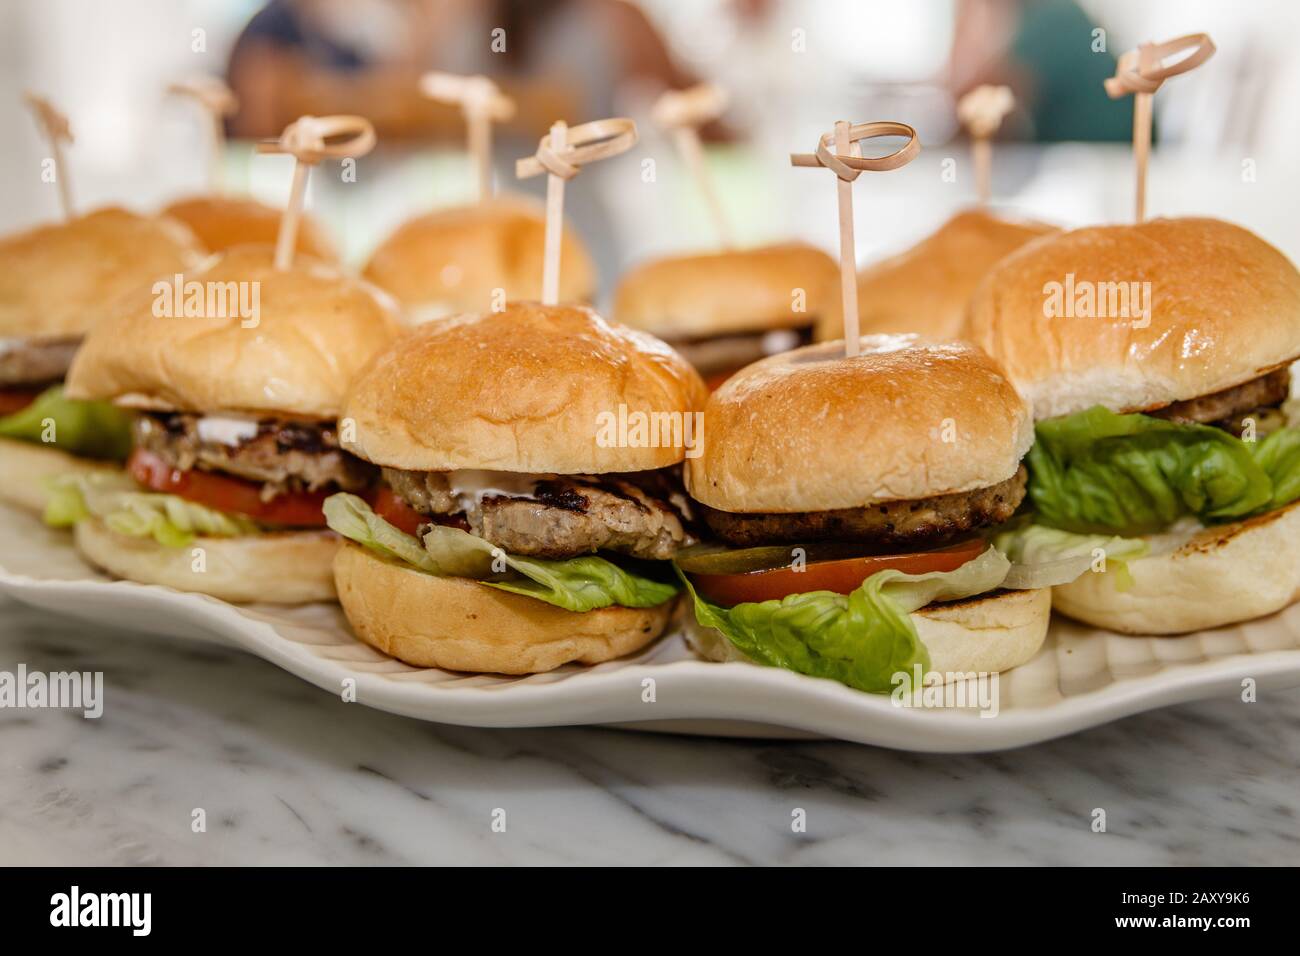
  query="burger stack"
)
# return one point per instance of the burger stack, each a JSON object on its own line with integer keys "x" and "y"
{"x": 916, "y": 506}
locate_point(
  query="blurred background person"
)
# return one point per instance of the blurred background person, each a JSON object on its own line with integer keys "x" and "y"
{"x": 1046, "y": 52}
{"x": 318, "y": 57}
{"x": 558, "y": 59}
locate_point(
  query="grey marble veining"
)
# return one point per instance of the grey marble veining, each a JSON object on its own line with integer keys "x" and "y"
{"x": 288, "y": 774}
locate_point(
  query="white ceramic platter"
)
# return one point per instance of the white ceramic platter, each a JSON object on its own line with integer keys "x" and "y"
{"x": 1081, "y": 678}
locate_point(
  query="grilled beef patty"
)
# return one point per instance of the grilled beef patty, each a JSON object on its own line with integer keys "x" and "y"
{"x": 713, "y": 355}
{"x": 890, "y": 524}
{"x": 28, "y": 363}
{"x": 284, "y": 455}
{"x": 643, "y": 515}
{"x": 1227, "y": 409}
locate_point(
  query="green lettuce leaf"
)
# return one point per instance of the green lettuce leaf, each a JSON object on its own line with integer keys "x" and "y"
{"x": 1099, "y": 472}
{"x": 861, "y": 639}
{"x": 584, "y": 583}
{"x": 116, "y": 500}
{"x": 353, "y": 518}
{"x": 1045, "y": 557}
{"x": 1279, "y": 456}
{"x": 90, "y": 429}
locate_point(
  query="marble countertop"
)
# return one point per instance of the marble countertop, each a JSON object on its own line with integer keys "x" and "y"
{"x": 287, "y": 775}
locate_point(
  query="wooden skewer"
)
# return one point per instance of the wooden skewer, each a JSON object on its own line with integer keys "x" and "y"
{"x": 56, "y": 130}
{"x": 981, "y": 111}
{"x": 310, "y": 139}
{"x": 482, "y": 104}
{"x": 1141, "y": 72}
{"x": 218, "y": 101}
{"x": 560, "y": 155}
{"x": 847, "y": 164}
{"x": 848, "y": 245}
{"x": 682, "y": 112}
{"x": 559, "y": 139}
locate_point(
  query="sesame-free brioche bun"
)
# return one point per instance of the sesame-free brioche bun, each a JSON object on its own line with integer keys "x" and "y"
{"x": 286, "y": 567}
{"x": 315, "y": 328}
{"x": 452, "y": 260}
{"x": 58, "y": 280}
{"x": 926, "y": 288}
{"x": 727, "y": 293}
{"x": 988, "y": 633}
{"x": 1224, "y": 309}
{"x": 1222, "y": 575}
{"x": 812, "y": 430}
{"x": 221, "y": 222}
{"x": 531, "y": 389}
{"x": 26, "y": 466}
{"x": 464, "y": 625}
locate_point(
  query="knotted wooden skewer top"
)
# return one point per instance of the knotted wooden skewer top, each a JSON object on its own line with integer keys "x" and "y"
{"x": 1141, "y": 72}
{"x": 981, "y": 111}
{"x": 692, "y": 107}
{"x": 561, "y": 154}
{"x": 482, "y": 103}
{"x": 218, "y": 101}
{"x": 577, "y": 146}
{"x": 309, "y": 140}
{"x": 848, "y": 163}
{"x": 473, "y": 94}
{"x": 681, "y": 113}
{"x": 210, "y": 92}
{"x": 849, "y": 167}
{"x": 55, "y": 128}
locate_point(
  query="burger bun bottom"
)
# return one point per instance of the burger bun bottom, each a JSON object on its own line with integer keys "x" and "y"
{"x": 1223, "y": 575}
{"x": 26, "y": 466}
{"x": 984, "y": 634}
{"x": 462, "y": 625}
{"x": 284, "y": 567}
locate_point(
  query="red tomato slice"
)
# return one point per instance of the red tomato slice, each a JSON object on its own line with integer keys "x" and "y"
{"x": 16, "y": 399}
{"x": 299, "y": 509}
{"x": 396, "y": 511}
{"x": 842, "y": 576}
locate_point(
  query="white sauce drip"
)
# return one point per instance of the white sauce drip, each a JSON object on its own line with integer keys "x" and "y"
{"x": 470, "y": 487}
{"x": 226, "y": 431}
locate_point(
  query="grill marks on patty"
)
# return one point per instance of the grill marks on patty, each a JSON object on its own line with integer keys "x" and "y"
{"x": 285, "y": 456}
{"x": 642, "y": 515}
{"x": 1228, "y": 409}
{"x": 889, "y": 524}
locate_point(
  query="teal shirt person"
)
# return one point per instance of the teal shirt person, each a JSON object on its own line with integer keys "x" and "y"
{"x": 1054, "y": 46}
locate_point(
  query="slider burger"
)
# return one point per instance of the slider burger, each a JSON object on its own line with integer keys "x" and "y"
{"x": 517, "y": 530}
{"x": 235, "y": 446}
{"x": 55, "y": 282}
{"x": 852, "y": 496}
{"x": 1156, "y": 357}
{"x": 475, "y": 259}
{"x": 724, "y": 310}
{"x": 221, "y": 222}
{"x": 926, "y": 288}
